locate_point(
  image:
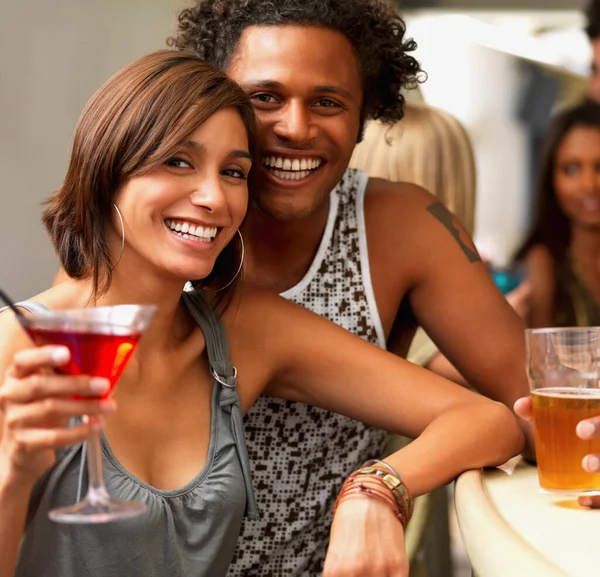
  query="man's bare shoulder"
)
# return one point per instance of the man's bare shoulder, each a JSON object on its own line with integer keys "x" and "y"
{"x": 398, "y": 210}
{"x": 408, "y": 225}
{"x": 382, "y": 195}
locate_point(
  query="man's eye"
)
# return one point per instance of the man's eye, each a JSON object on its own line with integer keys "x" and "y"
{"x": 265, "y": 98}
{"x": 326, "y": 103}
{"x": 178, "y": 163}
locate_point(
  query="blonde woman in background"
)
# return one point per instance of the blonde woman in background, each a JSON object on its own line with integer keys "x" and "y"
{"x": 429, "y": 147}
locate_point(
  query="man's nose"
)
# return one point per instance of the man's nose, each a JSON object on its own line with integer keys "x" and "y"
{"x": 295, "y": 125}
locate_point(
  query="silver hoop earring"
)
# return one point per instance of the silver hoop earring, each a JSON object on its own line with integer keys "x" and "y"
{"x": 122, "y": 236}
{"x": 239, "y": 269}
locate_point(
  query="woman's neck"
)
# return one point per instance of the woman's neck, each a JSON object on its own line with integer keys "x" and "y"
{"x": 171, "y": 324}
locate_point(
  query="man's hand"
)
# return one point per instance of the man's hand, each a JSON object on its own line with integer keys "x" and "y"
{"x": 587, "y": 429}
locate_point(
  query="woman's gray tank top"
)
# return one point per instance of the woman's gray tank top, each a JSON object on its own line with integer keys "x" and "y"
{"x": 186, "y": 532}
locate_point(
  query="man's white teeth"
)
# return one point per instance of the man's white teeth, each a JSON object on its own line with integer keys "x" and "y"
{"x": 295, "y": 165}
{"x": 290, "y": 175}
{"x": 193, "y": 232}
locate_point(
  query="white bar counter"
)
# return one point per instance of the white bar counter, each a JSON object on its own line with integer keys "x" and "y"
{"x": 511, "y": 529}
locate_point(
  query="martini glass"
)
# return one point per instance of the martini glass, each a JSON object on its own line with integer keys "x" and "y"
{"x": 101, "y": 341}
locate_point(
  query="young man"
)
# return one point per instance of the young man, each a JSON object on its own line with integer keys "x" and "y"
{"x": 375, "y": 257}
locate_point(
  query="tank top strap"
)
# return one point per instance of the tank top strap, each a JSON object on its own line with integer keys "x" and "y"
{"x": 31, "y": 307}
{"x": 226, "y": 375}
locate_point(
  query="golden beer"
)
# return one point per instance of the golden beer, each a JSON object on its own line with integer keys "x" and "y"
{"x": 556, "y": 412}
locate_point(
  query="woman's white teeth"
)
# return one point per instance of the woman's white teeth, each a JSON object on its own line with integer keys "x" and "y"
{"x": 291, "y": 168}
{"x": 193, "y": 232}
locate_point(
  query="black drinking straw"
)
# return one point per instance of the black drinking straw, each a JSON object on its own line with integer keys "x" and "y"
{"x": 20, "y": 316}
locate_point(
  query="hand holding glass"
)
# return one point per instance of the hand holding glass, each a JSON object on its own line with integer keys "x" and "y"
{"x": 101, "y": 341}
{"x": 563, "y": 366}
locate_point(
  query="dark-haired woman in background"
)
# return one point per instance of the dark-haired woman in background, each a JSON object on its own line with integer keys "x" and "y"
{"x": 562, "y": 254}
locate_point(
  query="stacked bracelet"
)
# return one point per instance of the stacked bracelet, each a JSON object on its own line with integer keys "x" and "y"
{"x": 379, "y": 480}
{"x": 393, "y": 482}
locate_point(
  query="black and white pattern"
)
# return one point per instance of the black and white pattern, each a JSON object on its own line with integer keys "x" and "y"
{"x": 300, "y": 455}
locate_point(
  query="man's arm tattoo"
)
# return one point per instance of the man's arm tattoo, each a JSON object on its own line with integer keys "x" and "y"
{"x": 439, "y": 211}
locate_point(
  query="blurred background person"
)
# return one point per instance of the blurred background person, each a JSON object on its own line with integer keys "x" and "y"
{"x": 563, "y": 249}
{"x": 592, "y": 30}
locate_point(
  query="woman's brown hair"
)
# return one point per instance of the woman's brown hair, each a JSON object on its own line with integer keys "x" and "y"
{"x": 131, "y": 125}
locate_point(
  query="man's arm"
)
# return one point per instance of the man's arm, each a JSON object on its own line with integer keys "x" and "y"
{"x": 417, "y": 247}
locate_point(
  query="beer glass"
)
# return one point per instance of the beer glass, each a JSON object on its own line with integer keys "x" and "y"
{"x": 563, "y": 366}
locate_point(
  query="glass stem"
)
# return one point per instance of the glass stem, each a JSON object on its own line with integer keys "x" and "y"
{"x": 97, "y": 493}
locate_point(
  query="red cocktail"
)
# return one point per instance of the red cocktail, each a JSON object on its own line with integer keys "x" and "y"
{"x": 101, "y": 341}
{"x": 97, "y": 354}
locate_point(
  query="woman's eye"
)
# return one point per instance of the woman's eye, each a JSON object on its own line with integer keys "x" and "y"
{"x": 178, "y": 163}
{"x": 570, "y": 169}
{"x": 234, "y": 173}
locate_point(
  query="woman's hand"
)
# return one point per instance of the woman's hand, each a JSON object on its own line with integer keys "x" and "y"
{"x": 367, "y": 540}
{"x": 586, "y": 430}
{"x": 35, "y": 408}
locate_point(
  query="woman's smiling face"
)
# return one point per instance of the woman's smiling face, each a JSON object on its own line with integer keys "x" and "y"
{"x": 180, "y": 216}
{"x": 577, "y": 175}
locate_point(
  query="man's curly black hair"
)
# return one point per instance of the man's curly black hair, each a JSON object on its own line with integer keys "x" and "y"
{"x": 592, "y": 14}
{"x": 212, "y": 29}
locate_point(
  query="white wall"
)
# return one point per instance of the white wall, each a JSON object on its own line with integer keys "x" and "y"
{"x": 480, "y": 86}
{"x": 53, "y": 55}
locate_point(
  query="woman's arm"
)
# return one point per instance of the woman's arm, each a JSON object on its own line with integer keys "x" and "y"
{"x": 308, "y": 359}
{"x": 313, "y": 361}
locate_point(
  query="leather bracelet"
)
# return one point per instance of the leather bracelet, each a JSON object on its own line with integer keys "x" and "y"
{"x": 402, "y": 488}
{"x": 361, "y": 490}
{"x": 381, "y": 480}
{"x": 393, "y": 482}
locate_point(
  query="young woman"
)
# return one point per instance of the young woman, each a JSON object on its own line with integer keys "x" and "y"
{"x": 155, "y": 194}
{"x": 562, "y": 253}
